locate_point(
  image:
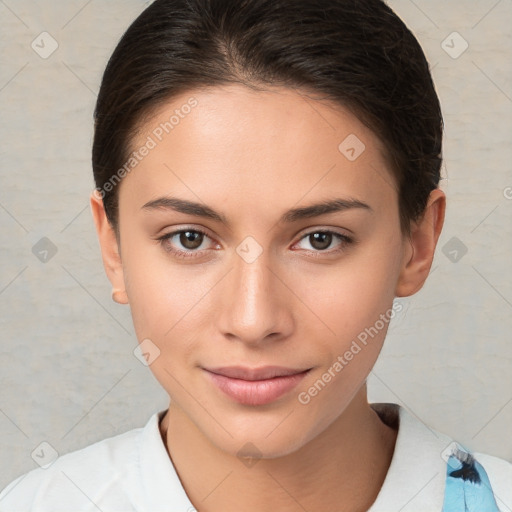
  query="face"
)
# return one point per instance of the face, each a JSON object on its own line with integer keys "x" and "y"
{"x": 255, "y": 304}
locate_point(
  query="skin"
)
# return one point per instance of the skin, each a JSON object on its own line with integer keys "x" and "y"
{"x": 252, "y": 156}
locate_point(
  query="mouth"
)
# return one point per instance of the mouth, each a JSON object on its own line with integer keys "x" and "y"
{"x": 255, "y": 386}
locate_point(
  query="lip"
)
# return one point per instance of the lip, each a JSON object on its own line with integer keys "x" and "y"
{"x": 256, "y": 386}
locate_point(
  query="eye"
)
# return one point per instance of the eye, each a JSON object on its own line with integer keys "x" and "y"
{"x": 190, "y": 240}
{"x": 321, "y": 240}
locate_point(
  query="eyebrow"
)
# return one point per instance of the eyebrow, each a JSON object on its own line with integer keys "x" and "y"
{"x": 293, "y": 215}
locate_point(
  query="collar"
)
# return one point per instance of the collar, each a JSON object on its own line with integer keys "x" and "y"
{"x": 415, "y": 479}
{"x": 416, "y": 476}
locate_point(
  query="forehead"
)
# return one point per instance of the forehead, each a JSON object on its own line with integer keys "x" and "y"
{"x": 265, "y": 147}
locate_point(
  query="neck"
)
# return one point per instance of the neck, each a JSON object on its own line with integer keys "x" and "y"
{"x": 341, "y": 469}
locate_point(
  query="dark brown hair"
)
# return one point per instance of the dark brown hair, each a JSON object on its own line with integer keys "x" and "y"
{"x": 357, "y": 53}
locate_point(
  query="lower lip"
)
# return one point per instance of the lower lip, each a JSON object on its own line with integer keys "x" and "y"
{"x": 256, "y": 392}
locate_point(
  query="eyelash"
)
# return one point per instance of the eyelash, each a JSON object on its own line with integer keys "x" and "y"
{"x": 194, "y": 254}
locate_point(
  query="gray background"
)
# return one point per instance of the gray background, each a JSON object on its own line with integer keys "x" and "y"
{"x": 68, "y": 373}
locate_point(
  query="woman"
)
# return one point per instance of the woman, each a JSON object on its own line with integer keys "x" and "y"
{"x": 267, "y": 177}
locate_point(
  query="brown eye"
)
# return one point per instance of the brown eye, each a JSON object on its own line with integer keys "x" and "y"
{"x": 185, "y": 243}
{"x": 323, "y": 242}
{"x": 320, "y": 241}
{"x": 191, "y": 239}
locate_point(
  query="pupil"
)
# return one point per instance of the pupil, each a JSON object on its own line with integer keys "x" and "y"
{"x": 190, "y": 239}
{"x": 321, "y": 240}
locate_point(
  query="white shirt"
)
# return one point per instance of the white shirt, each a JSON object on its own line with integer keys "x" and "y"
{"x": 133, "y": 472}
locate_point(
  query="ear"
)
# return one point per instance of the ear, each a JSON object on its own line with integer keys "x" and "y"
{"x": 109, "y": 249}
{"x": 420, "y": 248}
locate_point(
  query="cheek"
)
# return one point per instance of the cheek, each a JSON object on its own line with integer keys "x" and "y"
{"x": 170, "y": 302}
{"x": 163, "y": 300}
{"x": 356, "y": 304}
{"x": 352, "y": 296}
{"x": 154, "y": 290}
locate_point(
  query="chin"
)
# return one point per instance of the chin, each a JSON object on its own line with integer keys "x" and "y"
{"x": 261, "y": 447}
{"x": 265, "y": 438}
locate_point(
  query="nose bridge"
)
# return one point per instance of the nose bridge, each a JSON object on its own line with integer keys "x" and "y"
{"x": 255, "y": 307}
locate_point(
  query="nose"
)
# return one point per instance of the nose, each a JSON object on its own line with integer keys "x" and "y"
{"x": 256, "y": 306}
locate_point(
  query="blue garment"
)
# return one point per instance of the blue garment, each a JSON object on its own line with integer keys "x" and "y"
{"x": 467, "y": 485}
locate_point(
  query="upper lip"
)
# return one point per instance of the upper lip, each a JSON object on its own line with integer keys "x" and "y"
{"x": 262, "y": 373}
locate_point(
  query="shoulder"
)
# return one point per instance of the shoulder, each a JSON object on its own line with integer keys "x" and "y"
{"x": 420, "y": 461}
{"x": 125, "y": 473}
{"x": 499, "y": 472}
{"x": 76, "y": 479}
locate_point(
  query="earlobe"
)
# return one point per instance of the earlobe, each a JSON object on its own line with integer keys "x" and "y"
{"x": 119, "y": 296}
{"x": 420, "y": 248}
{"x": 109, "y": 249}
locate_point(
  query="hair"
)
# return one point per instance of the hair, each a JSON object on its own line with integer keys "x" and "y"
{"x": 355, "y": 53}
